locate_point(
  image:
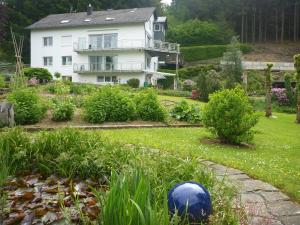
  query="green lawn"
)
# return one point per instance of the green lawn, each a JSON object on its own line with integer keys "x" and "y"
{"x": 274, "y": 159}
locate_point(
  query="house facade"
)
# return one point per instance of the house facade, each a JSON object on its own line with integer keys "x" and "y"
{"x": 102, "y": 47}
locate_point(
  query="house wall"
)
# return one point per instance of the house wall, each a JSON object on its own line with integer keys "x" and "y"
{"x": 135, "y": 32}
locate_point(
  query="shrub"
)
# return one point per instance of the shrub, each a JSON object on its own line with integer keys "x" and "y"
{"x": 280, "y": 95}
{"x": 208, "y": 83}
{"x": 2, "y": 81}
{"x": 256, "y": 83}
{"x": 81, "y": 89}
{"x": 185, "y": 112}
{"x": 134, "y": 83}
{"x": 205, "y": 52}
{"x": 63, "y": 110}
{"x": 43, "y": 75}
{"x": 291, "y": 95}
{"x": 109, "y": 104}
{"x": 193, "y": 71}
{"x": 57, "y": 75}
{"x": 29, "y": 107}
{"x": 230, "y": 116}
{"x": 58, "y": 87}
{"x": 149, "y": 107}
{"x": 175, "y": 93}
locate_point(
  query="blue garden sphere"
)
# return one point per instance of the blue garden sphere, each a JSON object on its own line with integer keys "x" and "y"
{"x": 191, "y": 199}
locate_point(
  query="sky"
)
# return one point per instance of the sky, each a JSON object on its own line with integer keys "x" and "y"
{"x": 166, "y": 1}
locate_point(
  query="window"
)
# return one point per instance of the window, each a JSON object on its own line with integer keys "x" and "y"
{"x": 107, "y": 79}
{"x": 100, "y": 41}
{"x": 48, "y": 41}
{"x": 148, "y": 62}
{"x": 100, "y": 79}
{"x": 66, "y": 60}
{"x": 102, "y": 63}
{"x": 66, "y": 40}
{"x": 48, "y": 61}
{"x": 157, "y": 27}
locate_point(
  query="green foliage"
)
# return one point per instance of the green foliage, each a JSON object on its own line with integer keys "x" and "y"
{"x": 28, "y": 106}
{"x": 63, "y": 110}
{"x": 43, "y": 75}
{"x": 167, "y": 83}
{"x": 288, "y": 78}
{"x": 109, "y": 104}
{"x": 208, "y": 83}
{"x": 196, "y": 32}
{"x": 148, "y": 106}
{"x": 230, "y": 116}
{"x": 2, "y": 81}
{"x": 256, "y": 83}
{"x": 197, "y": 53}
{"x": 57, "y": 75}
{"x": 82, "y": 89}
{"x": 58, "y": 87}
{"x": 134, "y": 83}
{"x": 175, "y": 93}
{"x": 232, "y": 69}
{"x": 268, "y": 86}
{"x": 185, "y": 112}
{"x": 193, "y": 71}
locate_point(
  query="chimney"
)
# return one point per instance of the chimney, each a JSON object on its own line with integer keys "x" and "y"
{"x": 89, "y": 10}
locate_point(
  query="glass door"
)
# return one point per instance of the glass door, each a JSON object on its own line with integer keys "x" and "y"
{"x": 110, "y": 40}
{"x": 110, "y": 63}
{"x": 95, "y": 63}
{"x": 95, "y": 41}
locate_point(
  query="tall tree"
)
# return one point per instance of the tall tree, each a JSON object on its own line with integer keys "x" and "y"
{"x": 297, "y": 67}
{"x": 268, "y": 75}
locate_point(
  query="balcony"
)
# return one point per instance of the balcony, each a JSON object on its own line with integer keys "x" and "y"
{"x": 121, "y": 45}
{"x": 86, "y": 68}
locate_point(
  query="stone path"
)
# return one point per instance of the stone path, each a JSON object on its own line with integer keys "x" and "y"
{"x": 264, "y": 204}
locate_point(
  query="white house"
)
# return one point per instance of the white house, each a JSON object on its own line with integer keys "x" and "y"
{"x": 102, "y": 47}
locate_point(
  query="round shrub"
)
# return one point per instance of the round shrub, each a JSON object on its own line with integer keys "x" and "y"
{"x": 43, "y": 75}
{"x": 149, "y": 107}
{"x": 230, "y": 116}
{"x": 134, "y": 83}
{"x": 28, "y": 106}
{"x": 63, "y": 110}
{"x": 109, "y": 104}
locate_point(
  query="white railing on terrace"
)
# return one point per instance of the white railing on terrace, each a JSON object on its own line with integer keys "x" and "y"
{"x": 127, "y": 44}
{"x": 107, "y": 67}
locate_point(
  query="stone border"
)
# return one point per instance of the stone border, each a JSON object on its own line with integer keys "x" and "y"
{"x": 264, "y": 204}
{"x": 113, "y": 127}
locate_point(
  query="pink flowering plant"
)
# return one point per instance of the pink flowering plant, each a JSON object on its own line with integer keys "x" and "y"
{"x": 280, "y": 95}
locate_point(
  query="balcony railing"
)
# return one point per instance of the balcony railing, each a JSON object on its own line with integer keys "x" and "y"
{"x": 127, "y": 45}
{"x": 107, "y": 67}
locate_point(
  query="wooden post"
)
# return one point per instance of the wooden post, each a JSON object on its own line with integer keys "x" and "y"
{"x": 268, "y": 90}
{"x": 297, "y": 67}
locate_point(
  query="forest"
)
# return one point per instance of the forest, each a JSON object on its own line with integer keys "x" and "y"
{"x": 191, "y": 22}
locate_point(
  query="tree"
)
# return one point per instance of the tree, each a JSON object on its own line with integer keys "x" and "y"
{"x": 232, "y": 69}
{"x": 268, "y": 75}
{"x": 297, "y": 67}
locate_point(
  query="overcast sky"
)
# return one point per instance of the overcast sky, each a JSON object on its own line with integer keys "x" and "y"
{"x": 166, "y": 1}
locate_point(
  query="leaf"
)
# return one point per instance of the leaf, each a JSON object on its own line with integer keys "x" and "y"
{"x": 50, "y": 217}
{"x": 28, "y": 219}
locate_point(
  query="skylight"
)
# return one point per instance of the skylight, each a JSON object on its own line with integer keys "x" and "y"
{"x": 65, "y": 21}
{"x": 87, "y": 20}
{"x": 133, "y": 10}
{"x": 109, "y": 19}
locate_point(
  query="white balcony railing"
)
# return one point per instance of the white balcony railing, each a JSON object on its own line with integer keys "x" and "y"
{"x": 107, "y": 67}
{"x": 127, "y": 44}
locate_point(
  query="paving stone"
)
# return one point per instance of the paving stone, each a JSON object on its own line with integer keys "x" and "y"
{"x": 251, "y": 198}
{"x": 290, "y": 220}
{"x": 263, "y": 221}
{"x": 223, "y": 170}
{"x": 239, "y": 177}
{"x": 255, "y": 185}
{"x": 284, "y": 208}
{"x": 207, "y": 163}
{"x": 273, "y": 196}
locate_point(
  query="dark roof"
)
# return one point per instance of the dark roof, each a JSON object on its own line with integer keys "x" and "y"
{"x": 122, "y": 16}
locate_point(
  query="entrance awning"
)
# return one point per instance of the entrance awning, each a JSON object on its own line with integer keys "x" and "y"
{"x": 160, "y": 75}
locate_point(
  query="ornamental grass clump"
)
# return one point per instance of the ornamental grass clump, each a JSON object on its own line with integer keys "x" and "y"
{"x": 230, "y": 116}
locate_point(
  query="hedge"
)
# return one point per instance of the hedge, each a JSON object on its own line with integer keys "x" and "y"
{"x": 205, "y": 52}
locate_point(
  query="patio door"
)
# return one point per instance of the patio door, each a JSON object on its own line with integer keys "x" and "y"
{"x": 95, "y": 63}
{"x": 95, "y": 41}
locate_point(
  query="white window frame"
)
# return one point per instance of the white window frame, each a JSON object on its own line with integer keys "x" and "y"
{"x": 68, "y": 60}
{"x": 112, "y": 79}
{"x": 48, "y": 41}
{"x": 159, "y": 27}
{"x": 49, "y": 61}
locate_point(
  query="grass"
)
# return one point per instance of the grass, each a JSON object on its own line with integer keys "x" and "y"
{"x": 164, "y": 98}
{"x": 275, "y": 157}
